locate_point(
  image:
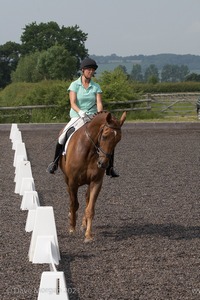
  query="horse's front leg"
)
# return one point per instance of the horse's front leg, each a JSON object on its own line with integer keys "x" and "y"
{"x": 74, "y": 205}
{"x": 94, "y": 189}
{"x": 84, "y": 221}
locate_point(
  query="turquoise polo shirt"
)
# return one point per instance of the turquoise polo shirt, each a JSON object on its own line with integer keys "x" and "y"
{"x": 85, "y": 98}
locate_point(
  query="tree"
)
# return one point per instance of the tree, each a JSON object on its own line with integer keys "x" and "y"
{"x": 26, "y": 70}
{"x": 57, "y": 63}
{"x": 151, "y": 74}
{"x": 168, "y": 73}
{"x": 73, "y": 39}
{"x": 183, "y": 72}
{"x": 39, "y": 37}
{"x": 9, "y": 57}
{"x": 54, "y": 63}
{"x": 45, "y": 35}
{"x": 174, "y": 73}
{"x": 123, "y": 68}
{"x": 136, "y": 73}
{"x": 193, "y": 77}
{"x": 115, "y": 85}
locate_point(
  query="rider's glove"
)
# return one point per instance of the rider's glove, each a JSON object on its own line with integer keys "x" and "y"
{"x": 82, "y": 114}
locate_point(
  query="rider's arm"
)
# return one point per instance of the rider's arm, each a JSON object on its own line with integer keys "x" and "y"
{"x": 72, "y": 98}
{"x": 99, "y": 102}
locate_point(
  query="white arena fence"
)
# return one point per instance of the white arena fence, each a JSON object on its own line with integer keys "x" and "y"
{"x": 44, "y": 248}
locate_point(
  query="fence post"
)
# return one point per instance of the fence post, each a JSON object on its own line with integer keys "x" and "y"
{"x": 148, "y": 102}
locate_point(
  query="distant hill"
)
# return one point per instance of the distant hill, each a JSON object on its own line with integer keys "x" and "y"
{"x": 110, "y": 62}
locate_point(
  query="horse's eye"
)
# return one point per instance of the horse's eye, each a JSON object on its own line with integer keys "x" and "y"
{"x": 103, "y": 137}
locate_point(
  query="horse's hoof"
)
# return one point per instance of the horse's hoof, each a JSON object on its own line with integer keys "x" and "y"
{"x": 71, "y": 231}
{"x": 88, "y": 240}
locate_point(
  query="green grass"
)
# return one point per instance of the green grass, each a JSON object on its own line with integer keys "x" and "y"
{"x": 55, "y": 92}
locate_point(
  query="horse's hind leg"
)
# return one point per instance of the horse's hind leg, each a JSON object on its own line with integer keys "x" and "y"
{"x": 74, "y": 205}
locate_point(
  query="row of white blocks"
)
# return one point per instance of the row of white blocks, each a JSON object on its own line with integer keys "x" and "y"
{"x": 40, "y": 221}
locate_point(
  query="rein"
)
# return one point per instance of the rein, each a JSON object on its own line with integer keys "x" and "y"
{"x": 97, "y": 147}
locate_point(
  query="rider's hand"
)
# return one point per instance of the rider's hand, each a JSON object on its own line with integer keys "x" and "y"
{"x": 82, "y": 114}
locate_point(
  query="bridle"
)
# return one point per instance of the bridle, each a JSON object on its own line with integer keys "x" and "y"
{"x": 99, "y": 150}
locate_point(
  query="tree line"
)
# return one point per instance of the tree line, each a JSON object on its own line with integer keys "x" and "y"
{"x": 49, "y": 52}
{"x": 169, "y": 73}
{"x": 192, "y": 61}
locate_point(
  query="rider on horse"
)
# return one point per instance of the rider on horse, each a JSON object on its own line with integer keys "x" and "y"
{"x": 85, "y": 100}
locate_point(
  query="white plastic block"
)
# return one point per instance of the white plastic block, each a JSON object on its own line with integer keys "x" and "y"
{"x": 13, "y": 129}
{"x": 53, "y": 286}
{"x": 20, "y": 150}
{"x": 18, "y": 160}
{"x": 46, "y": 251}
{"x": 27, "y": 185}
{"x": 17, "y": 138}
{"x": 44, "y": 225}
{"x": 30, "y": 200}
{"x": 30, "y": 220}
{"x": 23, "y": 171}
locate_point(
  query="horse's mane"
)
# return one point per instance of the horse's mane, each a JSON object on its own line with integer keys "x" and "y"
{"x": 113, "y": 120}
{"x": 99, "y": 113}
{"x": 104, "y": 112}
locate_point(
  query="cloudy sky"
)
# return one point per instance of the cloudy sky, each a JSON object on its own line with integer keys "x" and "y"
{"x": 128, "y": 27}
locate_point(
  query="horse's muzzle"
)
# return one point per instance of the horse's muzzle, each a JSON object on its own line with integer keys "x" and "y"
{"x": 102, "y": 165}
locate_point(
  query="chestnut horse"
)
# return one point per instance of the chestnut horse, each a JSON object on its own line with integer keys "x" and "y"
{"x": 85, "y": 162}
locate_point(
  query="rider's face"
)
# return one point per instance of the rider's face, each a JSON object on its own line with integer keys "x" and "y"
{"x": 88, "y": 72}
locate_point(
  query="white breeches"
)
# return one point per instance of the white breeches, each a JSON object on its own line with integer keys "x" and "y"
{"x": 74, "y": 122}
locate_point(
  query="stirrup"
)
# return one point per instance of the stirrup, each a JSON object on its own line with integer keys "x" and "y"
{"x": 52, "y": 167}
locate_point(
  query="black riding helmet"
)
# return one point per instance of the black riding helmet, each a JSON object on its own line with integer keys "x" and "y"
{"x": 88, "y": 63}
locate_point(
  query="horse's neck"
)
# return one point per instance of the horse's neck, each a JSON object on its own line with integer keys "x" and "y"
{"x": 95, "y": 124}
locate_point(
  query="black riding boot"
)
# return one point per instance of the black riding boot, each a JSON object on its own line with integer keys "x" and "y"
{"x": 54, "y": 165}
{"x": 59, "y": 149}
{"x": 110, "y": 170}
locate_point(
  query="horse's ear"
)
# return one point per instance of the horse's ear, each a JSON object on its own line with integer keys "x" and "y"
{"x": 123, "y": 118}
{"x": 109, "y": 118}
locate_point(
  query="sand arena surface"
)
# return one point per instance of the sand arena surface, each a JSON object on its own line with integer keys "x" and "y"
{"x": 147, "y": 222}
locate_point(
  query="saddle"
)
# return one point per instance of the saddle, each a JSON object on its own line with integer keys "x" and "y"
{"x": 68, "y": 135}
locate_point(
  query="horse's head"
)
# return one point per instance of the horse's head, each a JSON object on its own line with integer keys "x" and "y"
{"x": 108, "y": 137}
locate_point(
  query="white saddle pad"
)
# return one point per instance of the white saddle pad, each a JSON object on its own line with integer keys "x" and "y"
{"x": 66, "y": 145}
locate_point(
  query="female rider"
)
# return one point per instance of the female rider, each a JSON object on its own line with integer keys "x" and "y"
{"x": 85, "y": 100}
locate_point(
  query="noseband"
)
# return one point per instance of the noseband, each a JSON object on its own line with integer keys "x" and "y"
{"x": 99, "y": 150}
